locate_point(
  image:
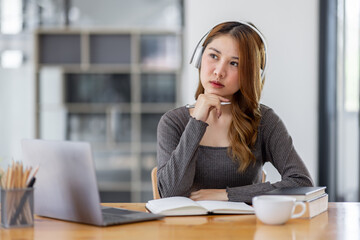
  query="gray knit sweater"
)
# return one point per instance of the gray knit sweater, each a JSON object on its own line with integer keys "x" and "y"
{"x": 185, "y": 166}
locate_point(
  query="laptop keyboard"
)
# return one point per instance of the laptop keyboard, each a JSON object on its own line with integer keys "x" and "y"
{"x": 115, "y": 215}
{"x": 117, "y": 211}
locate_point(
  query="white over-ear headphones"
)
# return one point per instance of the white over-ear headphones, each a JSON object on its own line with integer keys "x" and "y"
{"x": 198, "y": 52}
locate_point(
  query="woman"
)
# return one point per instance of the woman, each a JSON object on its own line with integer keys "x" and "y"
{"x": 216, "y": 150}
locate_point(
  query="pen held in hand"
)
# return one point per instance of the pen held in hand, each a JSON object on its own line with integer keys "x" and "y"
{"x": 193, "y": 105}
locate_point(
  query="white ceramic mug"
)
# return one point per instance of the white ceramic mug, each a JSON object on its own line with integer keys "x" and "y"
{"x": 276, "y": 209}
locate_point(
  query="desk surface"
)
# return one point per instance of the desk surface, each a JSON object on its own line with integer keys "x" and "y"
{"x": 341, "y": 221}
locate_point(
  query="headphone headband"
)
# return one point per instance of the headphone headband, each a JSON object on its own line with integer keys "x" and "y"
{"x": 199, "y": 49}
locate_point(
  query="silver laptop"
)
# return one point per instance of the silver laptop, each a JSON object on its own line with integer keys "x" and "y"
{"x": 66, "y": 186}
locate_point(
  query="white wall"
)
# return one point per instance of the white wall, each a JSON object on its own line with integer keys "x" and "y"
{"x": 17, "y": 111}
{"x": 291, "y": 87}
{"x": 291, "y": 30}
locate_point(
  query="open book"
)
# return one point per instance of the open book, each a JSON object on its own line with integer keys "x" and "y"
{"x": 177, "y": 206}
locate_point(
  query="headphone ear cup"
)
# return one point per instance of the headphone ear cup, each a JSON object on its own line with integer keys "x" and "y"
{"x": 198, "y": 56}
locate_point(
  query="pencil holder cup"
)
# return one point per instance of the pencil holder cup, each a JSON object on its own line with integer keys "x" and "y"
{"x": 17, "y": 207}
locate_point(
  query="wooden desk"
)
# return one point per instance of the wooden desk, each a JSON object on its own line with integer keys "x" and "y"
{"x": 341, "y": 221}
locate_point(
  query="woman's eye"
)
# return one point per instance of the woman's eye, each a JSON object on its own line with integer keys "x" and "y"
{"x": 234, "y": 64}
{"x": 213, "y": 56}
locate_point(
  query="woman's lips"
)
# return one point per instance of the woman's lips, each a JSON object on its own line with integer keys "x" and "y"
{"x": 216, "y": 84}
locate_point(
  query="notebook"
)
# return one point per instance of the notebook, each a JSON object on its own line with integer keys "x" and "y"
{"x": 300, "y": 193}
{"x": 66, "y": 186}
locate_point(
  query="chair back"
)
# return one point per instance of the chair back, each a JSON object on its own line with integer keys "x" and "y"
{"x": 155, "y": 189}
{"x": 263, "y": 179}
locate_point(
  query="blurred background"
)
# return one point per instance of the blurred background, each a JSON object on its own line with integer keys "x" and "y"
{"x": 105, "y": 72}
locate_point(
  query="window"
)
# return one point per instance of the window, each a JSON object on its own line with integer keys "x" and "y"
{"x": 348, "y": 100}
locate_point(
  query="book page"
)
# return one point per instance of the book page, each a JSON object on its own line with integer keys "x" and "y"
{"x": 226, "y": 207}
{"x": 175, "y": 206}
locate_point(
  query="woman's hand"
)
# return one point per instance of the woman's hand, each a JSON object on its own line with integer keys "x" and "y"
{"x": 205, "y": 104}
{"x": 210, "y": 194}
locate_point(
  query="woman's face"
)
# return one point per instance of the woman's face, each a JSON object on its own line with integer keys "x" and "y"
{"x": 219, "y": 71}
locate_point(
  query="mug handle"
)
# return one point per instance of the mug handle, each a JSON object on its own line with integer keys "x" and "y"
{"x": 303, "y": 206}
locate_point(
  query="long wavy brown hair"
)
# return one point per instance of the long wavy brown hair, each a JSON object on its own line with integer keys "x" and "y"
{"x": 246, "y": 113}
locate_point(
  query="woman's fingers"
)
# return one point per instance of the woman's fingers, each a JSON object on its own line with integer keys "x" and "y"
{"x": 205, "y": 104}
{"x": 194, "y": 195}
{"x": 209, "y": 194}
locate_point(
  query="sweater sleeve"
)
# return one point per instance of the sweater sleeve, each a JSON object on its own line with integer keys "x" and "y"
{"x": 277, "y": 148}
{"x": 176, "y": 154}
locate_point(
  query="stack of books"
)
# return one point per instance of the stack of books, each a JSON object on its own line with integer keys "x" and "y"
{"x": 315, "y": 198}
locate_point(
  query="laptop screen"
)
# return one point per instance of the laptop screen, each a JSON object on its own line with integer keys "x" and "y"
{"x": 66, "y": 186}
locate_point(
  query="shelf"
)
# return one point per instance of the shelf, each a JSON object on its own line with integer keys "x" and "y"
{"x": 86, "y": 127}
{"x": 158, "y": 88}
{"x": 98, "y": 107}
{"x": 110, "y": 49}
{"x": 97, "y": 88}
{"x": 111, "y": 186}
{"x": 108, "y": 87}
{"x": 60, "y": 49}
{"x": 160, "y": 51}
